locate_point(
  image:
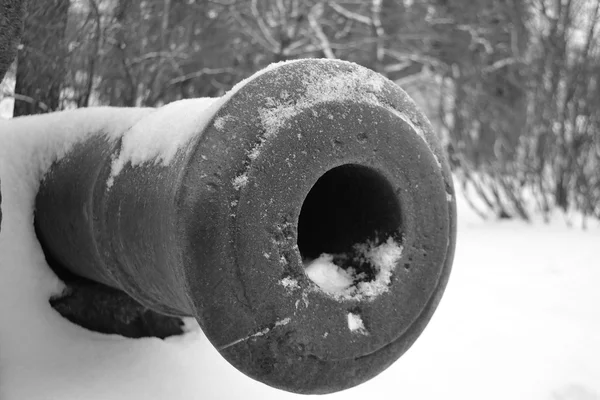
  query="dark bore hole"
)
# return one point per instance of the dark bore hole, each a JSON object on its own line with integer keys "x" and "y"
{"x": 348, "y": 205}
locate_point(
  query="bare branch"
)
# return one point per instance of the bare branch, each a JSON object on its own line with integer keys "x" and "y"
{"x": 313, "y": 19}
{"x": 263, "y": 28}
{"x": 476, "y": 37}
{"x": 40, "y": 104}
{"x": 403, "y": 56}
{"x": 377, "y": 29}
{"x": 247, "y": 29}
{"x": 156, "y": 54}
{"x": 282, "y": 11}
{"x": 349, "y": 14}
{"x": 345, "y": 30}
{"x": 223, "y": 3}
{"x": 397, "y": 67}
{"x": 199, "y": 73}
{"x": 499, "y": 64}
{"x": 295, "y": 45}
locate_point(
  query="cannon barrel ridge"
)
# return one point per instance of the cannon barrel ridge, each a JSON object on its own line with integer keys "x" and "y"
{"x": 306, "y": 164}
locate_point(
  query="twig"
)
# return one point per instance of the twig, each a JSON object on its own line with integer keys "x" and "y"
{"x": 250, "y": 32}
{"x": 40, "y": 104}
{"x": 199, "y": 73}
{"x": 313, "y": 16}
{"x": 349, "y": 14}
{"x": 263, "y": 27}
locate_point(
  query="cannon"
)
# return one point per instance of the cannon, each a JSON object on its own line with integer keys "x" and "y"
{"x": 306, "y": 219}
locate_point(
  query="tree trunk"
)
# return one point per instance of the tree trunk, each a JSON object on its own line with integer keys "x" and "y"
{"x": 11, "y": 28}
{"x": 41, "y": 66}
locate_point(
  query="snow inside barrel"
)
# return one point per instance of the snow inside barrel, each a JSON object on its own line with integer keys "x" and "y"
{"x": 306, "y": 219}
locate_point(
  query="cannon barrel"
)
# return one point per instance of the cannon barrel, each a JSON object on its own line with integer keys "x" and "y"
{"x": 306, "y": 219}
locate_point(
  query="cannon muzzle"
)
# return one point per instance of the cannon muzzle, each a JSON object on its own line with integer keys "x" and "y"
{"x": 306, "y": 219}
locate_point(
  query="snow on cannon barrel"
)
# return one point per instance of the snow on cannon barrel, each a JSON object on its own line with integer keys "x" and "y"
{"x": 306, "y": 219}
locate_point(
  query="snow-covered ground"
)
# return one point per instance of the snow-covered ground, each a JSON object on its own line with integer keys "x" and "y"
{"x": 520, "y": 320}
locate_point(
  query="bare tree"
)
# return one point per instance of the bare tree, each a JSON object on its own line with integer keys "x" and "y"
{"x": 41, "y": 67}
{"x": 11, "y": 29}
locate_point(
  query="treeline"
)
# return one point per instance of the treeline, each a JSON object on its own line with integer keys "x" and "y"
{"x": 512, "y": 85}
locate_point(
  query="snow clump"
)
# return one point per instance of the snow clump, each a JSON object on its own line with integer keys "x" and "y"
{"x": 338, "y": 276}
